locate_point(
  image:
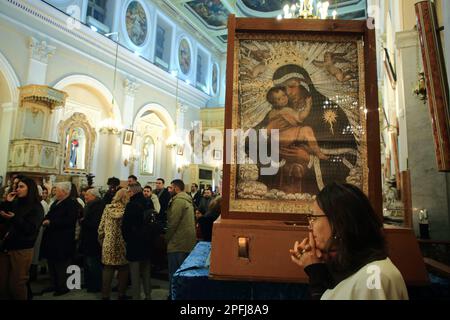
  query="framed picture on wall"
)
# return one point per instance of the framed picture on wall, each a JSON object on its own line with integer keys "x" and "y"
{"x": 180, "y": 150}
{"x": 184, "y": 56}
{"x": 128, "y": 137}
{"x": 217, "y": 155}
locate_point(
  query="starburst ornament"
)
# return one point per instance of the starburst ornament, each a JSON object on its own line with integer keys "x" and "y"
{"x": 330, "y": 117}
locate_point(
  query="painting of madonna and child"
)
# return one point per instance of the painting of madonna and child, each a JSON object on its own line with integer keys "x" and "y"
{"x": 312, "y": 92}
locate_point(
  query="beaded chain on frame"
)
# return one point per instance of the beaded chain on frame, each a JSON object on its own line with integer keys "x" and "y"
{"x": 335, "y": 66}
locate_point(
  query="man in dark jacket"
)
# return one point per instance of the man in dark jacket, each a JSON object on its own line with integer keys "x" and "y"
{"x": 58, "y": 240}
{"x": 137, "y": 247}
{"x": 196, "y": 194}
{"x": 89, "y": 245}
{"x": 205, "y": 201}
{"x": 164, "y": 198}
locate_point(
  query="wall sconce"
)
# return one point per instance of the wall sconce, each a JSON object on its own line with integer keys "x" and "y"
{"x": 134, "y": 155}
{"x": 110, "y": 126}
{"x": 421, "y": 90}
{"x": 182, "y": 165}
{"x": 424, "y": 228}
{"x": 173, "y": 141}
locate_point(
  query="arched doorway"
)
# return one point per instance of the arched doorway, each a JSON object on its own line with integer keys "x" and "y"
{"x": 153, "y": 126}
{"x": 9, "y": 83}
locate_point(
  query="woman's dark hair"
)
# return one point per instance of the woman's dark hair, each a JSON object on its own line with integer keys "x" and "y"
{"x": 33, "y": 196}
{"x": 215, "y": 205}
{"x": 357, "y": 231}
{"x": 113, "y": 181}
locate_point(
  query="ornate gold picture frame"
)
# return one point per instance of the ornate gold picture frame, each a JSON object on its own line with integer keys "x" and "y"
{"x": 311, "y": 81}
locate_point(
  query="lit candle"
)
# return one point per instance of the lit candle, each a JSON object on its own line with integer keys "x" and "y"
{"x": 324, "y": 10}
{"x": 302, "y": 5}
{"x": 318, "y": 9}
{"x": 286, "y": 10}
{"x": 334, "y": 14}
{"x": 293, "y": 9}
{"x": 311, "y": 6}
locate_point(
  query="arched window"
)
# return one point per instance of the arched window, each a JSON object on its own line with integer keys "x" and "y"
{"x": 97, "y": 10}
{"x": 148, "y": 156}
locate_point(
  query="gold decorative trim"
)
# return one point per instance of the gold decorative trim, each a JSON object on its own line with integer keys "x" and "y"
{"x": 34, "y": 155}
{"x": 43, "y": 95}
{"x": 77, "y": 120}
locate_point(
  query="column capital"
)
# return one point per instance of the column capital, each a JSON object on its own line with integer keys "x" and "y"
{"x": 182, "y": 108}
{"x": 131, "y": 86}
{"x": 7, "y": 106}
{"x": 40, "y": 50}
{"x": 406, "y": 39}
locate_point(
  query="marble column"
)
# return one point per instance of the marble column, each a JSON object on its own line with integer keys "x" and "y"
{"x": 429, "y": 187}
{"x": 40, "y": 52}
{"x": 7, "y": 118}
{"x": 131, "y": 87}
{"x": 178, "y": 167}
{"x": 108, "y": 156}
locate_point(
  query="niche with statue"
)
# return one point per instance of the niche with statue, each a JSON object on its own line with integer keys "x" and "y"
{"x": 77, "y": 137}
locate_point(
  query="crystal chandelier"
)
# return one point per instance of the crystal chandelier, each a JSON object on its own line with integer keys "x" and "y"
{"x": 110, "y": 126}
{"x": 306, "y": 9}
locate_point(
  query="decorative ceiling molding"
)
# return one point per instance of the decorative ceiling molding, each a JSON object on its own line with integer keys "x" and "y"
{"x": 46, "y": 22}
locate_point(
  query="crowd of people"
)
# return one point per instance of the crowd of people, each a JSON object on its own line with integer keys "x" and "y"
{"x": 128, "y": 230}
{"x": 122, "y": 231}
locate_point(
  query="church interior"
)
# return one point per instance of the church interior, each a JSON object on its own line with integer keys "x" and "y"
{"x": 98, "y": 91}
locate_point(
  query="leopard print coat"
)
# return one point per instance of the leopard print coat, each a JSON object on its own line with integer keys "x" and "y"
{"x": 110, "y": 235}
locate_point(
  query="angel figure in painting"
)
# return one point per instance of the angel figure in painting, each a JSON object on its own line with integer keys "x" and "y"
{"x": 262, "y": 56}
{"x": 329, "y": 64}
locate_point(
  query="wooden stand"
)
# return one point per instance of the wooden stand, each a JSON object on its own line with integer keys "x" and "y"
{"x": 253, "y": 238}
{"x": 256, "y": 250}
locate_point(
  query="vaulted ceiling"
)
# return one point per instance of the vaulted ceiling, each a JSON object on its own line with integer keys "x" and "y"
{"x": 208, "y": 18}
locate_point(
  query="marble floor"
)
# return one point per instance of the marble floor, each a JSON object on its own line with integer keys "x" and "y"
{"x": 160, "y": 289}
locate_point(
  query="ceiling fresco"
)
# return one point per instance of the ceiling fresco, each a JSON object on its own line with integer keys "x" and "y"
{"x": 211, "y": 13}
{"x": 209, "y": 17}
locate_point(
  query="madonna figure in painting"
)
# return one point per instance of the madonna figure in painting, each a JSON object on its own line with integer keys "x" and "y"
{"x": 317, "y": 145}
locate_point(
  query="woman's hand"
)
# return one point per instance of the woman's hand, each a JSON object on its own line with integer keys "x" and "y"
{"x": 11, "y": 196}
{"x": 7, "y": 215}
{"x": 305, "y": 253}
{"x": 45, "y": 223}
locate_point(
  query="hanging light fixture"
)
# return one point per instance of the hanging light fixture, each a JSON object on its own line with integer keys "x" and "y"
{"x": 111, "y": 125}
{"x": 305, "y": 9}
{"x": 173, "y": 141}
{"x": 115, "y": 61}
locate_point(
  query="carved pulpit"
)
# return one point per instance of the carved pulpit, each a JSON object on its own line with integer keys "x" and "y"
{"x": 31, "y": 151}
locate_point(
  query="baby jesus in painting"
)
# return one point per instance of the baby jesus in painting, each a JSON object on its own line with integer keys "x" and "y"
{"x": 288, "y": 121}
